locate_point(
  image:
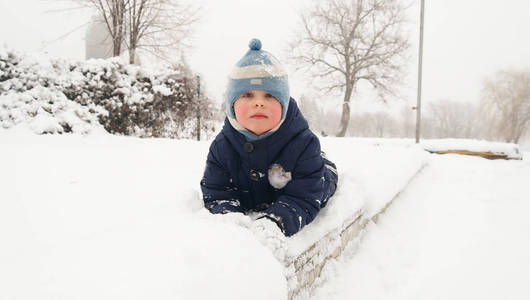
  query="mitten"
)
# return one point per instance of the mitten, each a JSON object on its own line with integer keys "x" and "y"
{"x": 223, "y": 206}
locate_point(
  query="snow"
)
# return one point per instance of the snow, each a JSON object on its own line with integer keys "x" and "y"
{"x": 458, "y": 232}
{"x": 46, "y": 111}
{"x": 99, "y": 216}
{"x": 106, "y": 217}
{"x": 369, "y": 177}
{"x": 509, "y": 149}
{"x": 164, "y": 90}
{"x": 277, "y": 176}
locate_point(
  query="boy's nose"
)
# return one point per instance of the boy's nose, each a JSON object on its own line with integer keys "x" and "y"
{"x": 259, "y": 102}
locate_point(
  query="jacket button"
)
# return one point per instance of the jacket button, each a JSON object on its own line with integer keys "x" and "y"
{"x": 254, "y": 175}
{"x": 248, "y": 147}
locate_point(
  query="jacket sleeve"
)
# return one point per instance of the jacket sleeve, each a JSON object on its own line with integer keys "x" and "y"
{"x": 301, "y": 199}
{"x": 219, "y": 194}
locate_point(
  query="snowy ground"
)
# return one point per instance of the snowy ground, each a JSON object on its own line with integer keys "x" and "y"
{"x": 106, "y": 217}
{"x": 460, "y": 231}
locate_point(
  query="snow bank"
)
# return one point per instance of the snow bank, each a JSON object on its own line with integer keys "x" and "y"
{"x": 512, "y": 151}
{"x": 111, "y": 217}
{"x": 106, "y": 217}
{"x": 458, "y": 232}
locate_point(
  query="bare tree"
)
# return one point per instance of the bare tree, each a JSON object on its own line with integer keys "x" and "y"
{"x": 345, "y": 42}
{"x": 506, "y": 100}
{"x": 112, "y": 12}
{"x": 452, "y": 119}
{"x": 160, "y": 27}
{"x": 382, "y": 123}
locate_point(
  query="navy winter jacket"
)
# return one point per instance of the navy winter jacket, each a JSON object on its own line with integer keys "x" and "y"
{"x": 237, "y": 171}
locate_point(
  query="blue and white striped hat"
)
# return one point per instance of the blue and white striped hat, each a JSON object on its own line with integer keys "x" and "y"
{"x": 257, "y": 70}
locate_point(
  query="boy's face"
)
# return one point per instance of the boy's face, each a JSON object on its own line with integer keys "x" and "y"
{"x": 258, "y": 111}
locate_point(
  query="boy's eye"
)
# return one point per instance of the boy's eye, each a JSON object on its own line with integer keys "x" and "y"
{"x": 251, "y": 95}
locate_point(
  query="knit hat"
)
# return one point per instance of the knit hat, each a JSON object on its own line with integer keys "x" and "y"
{"x": 257, "y": 70}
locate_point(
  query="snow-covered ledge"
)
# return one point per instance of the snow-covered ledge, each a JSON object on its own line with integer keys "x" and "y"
{"x": 486, "y": 149}
{"x": 372, "y": 174}
{"x": 370, "y": 178}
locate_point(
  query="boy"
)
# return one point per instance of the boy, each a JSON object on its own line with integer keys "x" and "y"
{"x": 265, "y": 158}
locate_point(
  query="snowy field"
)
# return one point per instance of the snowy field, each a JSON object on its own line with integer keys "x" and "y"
{"x": 108, "y": 217}
{"x": 460, "y": 231}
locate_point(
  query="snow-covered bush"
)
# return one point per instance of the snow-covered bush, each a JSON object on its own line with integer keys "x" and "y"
{"x": 20, "y": 72}
{"x": 9, "y": 69}
{"x": 127, "y": 99}
{"x": 138, "y": 102}
{"x": 46, "y": 111}
{"x": 29, "y": 97}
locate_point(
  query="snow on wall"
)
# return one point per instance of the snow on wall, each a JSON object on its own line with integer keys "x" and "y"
{"x": 369, "y": 177}
{"x": 509, "y": 149}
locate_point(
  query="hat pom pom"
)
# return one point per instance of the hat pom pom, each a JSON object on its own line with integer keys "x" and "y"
{"x": 254, "y": 44}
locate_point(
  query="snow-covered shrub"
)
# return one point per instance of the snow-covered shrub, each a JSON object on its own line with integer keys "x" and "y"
{"x": 130, "y": 100}
{"x": 138, "y": 102}
{"x": 9, "y": 61}
{"x": 20, "y": 73}
{"x": 46, "y": 111}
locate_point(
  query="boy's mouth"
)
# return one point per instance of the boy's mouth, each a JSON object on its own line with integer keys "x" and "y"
{"x": 258, "y": 116}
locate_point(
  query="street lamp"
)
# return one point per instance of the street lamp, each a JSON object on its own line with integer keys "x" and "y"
{"x": 198, "y": 108}
{"x": 420, "y": 59}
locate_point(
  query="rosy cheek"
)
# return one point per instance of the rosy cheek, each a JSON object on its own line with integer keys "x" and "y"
{"x": 276, "y": 111}
{"x": 240, "y": 110}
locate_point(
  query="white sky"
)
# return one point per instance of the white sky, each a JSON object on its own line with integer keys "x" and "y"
{"x": 465, "y": 41}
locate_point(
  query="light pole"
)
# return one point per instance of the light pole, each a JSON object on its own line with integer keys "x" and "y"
{"x": 420, "y": 60}
{"x": 198, "y": 108}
